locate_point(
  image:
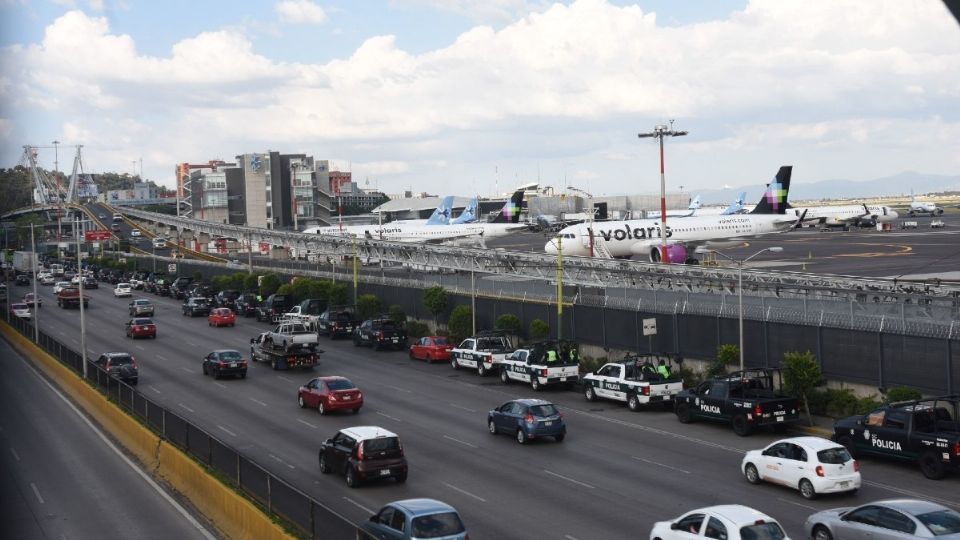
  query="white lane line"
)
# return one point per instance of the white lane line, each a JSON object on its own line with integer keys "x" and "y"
{"x": 14, "y": 452}
{"x": 75, "y": 342}
{"x": 665, "y": 466}
{"x": 568, "y": 479}
{"x": 664, "y": 432}
{"x": 281, "y": 461}
{"x": 796, "y": 503}
{"x": 227, "y": 430}
{"x": 188, "y": 370}
{"x": 258, "y": 402}
{"x": 390, "y": 417}
{"x": 192, "y": 344}
{"x": 185, "y": 407}
{"x": 221, "y": 385}
{"x": 161, "y": 357}
{"x": 154, "y": 389}
{"x": 459, "y": 441}
{"x": 282, "y": 378}
{"x": 397, "y": 388}
{"x": 568, "y": 537}
{"x": 465, "y": 492}
{"x": 304, "y": 422}
{"x": 36, "y": 492}
{"x": 358, "y": 505}
{"x": 140, "y": 347}
{"x": 62, "y": 333}
{"x": 914, "y": 494}
{"x": 461, "y": 407}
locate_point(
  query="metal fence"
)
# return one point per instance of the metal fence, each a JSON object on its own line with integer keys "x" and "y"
{"x": 309, "y": 517}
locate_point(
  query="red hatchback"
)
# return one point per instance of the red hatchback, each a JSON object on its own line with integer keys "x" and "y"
{"x": 141, "y": 327}
{"x": 221, "y": 317}
{"x": 330, "y": 394}
{"x": 431, "y": 348}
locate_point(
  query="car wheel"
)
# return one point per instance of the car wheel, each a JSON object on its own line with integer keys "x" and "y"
{"x": 204, "y": 370}
{"x": 243, "y": 375}
{"x": 821, "y": 533}
{"x": 806, "y": 489}
{"x": 522, "y": 436}
{"x": 154, "y": 336}
{"x": 429, "y": 358}
{"x": 216, "y": 374}
{"x": 357, "y": 410}
{"x": 300, "y": 401}
{"x": 560, "y": 437}
{"x": 492, "y": 426}
{"x": 321, "y": 408}
{"x": 535, "y": 383}
{"x": 351, "y": 475}
{"x": 751, "y": 473}
{"x": 401, "y": 478}
{"x": 410, "y": 354}
{"x": 504, "y": 378}
{"x": 683, "y": 413}
{"x": 454, "y": 364}
{"x": 633, "y": 402}
{"x": 590, "y": 394}
{"x": 356, "y": 342}
{"x": 233, "y": 324}
{"x": 481, "y": 370}
{"x": 740, "y": 425}
{"x": 931, "y": 466}
{"x": 324, "y": 466}
{"x": 847, "y": 443}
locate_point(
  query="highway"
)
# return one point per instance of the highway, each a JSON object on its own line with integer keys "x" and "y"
{"x": 61, "y": 478}
{"x": 616, "y": 473}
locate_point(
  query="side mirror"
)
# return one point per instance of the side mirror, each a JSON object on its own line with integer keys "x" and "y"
{"x": 253, "y": 340}
{"x": 674, "y": 526}
{"x": 373, "y": 518}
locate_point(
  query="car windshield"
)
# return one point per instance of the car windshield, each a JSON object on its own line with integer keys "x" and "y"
{"x": 230, "y": 355}
{"x": 834, "y": 456}
{"x": 436, "y": 525}
{"x": 123, "y": 285}
{"x": 942, "y": 522}
{"x": 340, "y": 384}
{"x": 300, "y": 329}
{"x": 544, "y": 410}
{"x": 19, "y": 306}
{"x": 142, "y": 302}
{"x": 762, "y": 531}
{"x": 143, "y": 321}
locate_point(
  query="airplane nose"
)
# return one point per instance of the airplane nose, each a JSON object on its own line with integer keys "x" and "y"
{"x": 551, "y": 247}
{"x": 893, "y": 214}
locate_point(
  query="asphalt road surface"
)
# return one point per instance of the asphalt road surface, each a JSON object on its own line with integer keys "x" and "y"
{"x": 61, "y": 478}
{"x": 616, "y": 473}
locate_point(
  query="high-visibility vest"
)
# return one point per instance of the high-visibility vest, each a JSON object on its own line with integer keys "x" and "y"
{"x": 551, "y": 356}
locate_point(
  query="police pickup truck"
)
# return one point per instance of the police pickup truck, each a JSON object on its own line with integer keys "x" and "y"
{"x": 746, "y": 399}
{"x": 291, "y": 335}
{"x": 634, "y": 380}
{"x": 306, "y": 312}
{"x": 926, "y": 431}
{"x": 483, "y": 352}
{"x": 262, "y": 351}
{"x": 533, "y": 365}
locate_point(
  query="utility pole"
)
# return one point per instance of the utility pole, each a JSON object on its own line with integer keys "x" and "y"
{"x": 83, "y": 324}
{"x": 559, "y": 288}
{"x": 659, "y": 132}
{"x": 36, "y": 310}
{"x": 56, "y": 169}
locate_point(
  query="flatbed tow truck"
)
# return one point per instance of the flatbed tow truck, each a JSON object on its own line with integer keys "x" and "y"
{"x": 280, "y": 360}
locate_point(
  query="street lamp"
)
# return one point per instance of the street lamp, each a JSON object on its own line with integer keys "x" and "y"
{"x": 83, "y": 325}
{"x": 740, "y": 263}
{"x": 659, "y": 132}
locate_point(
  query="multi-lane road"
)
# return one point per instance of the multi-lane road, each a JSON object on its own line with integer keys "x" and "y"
{"x": 615, "y": 474}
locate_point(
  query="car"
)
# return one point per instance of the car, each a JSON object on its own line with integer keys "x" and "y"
{"x": 75, "y": 280}
{"x": 227, "y": 299}
{"x": 415, "y": 518}
{"x": 120, "y": 365}
{"x": 159, "y": 242}
{"x": 102, "y": 216}
{"x": 330, "y": 393}
{"x": 196, "y": 306}
{"x": 47, "y": 279}
{"x": 224, "y": 362}
{"x": 29, "y": 299}
{"x": 90, "y": 282}
{"x": 123, "y": 290}
{"x": 115, "y": 227}
{"x": 527, "y": 419}
{"x": 431, "y": 348}
{"x": 221, "y": 317}
{"x": 141, "y": 307}
{"x": 247, "y": 304}
{"x": 141, "y": 327}
{"x": 60, "y": 285}
{"x": 179, "y": 286}
{"x": 812, "y": 465}
{"x": 22, "y": 279}
{"x": 364, "y": 453}
{"x": 135, "y": 232}
{"x": 887, "y": 519}
{"x": 21, "y": 310}
{"x": 722, "y": 522}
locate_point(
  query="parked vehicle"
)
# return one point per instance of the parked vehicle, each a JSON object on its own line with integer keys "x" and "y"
{"x": 414, "y": 518}
{"x": 282, "y": 360}
{"x": 364, "y": 453}
{"x": 431, "y": 348}
{"x": 635, "y": 381}
{"x": 483, "y": 352}
{"x": 306, "y": 312}
{"x": 527, "y": 419}
{"x": 273, "y": 308}
{"x": 542, "y": 364}
{"x": 141, "y": 327}
{"x": 380, "y": 334}
{"x": 196, "y": 306}
{"x": 227, "y": 299}
{"x": 225, "y": 362}
{"x": 179, "y": 287}
{"x": 247, "y": 304}
{"x": 813, "y": 465}
{"x": 337, "y": 322}
{"x": 331, "y": 393}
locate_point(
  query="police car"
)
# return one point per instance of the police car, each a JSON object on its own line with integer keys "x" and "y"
{"x": 483, "y": 352}
{"x": 532, "y": 365}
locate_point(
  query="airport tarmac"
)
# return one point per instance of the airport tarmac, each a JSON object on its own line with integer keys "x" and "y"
{"x": 919, "y": 253}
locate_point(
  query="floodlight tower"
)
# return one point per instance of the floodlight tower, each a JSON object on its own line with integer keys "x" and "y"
{"x": 659, "y": 132}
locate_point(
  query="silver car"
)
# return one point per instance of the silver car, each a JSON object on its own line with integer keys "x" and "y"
{"x": 894, "y": 519}
{"x": 141, "y": 307}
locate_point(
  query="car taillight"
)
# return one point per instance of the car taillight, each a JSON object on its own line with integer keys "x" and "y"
{"x": 401, "y": 450}
{"x": 543, "y": 372}
{"x": 359, "y": 451}
{"x": 379, "y": 335}
{"x": 528, "y": 419}
{"x": 757, "y": 411}
{"x": 646, "y": 390}
{"x": 856, "y": 464}
{"x": 956, "y": 449}
{"x": 819, "y": 470}
{"x": 221, "y": 363}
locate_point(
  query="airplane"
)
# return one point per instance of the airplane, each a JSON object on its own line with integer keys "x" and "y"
{"x": 507, "y": 221}
{"x": 846, "y": 215}
{"x": 691, "y": 210}
{"x": 736, "y": 207}
{"x": 440, "y": 215}
{"x": 623, "y": 239}
{"x": 469, "y": 214}
{"x": 917, "y": 207}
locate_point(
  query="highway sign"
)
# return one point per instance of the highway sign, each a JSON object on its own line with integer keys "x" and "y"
{"x": 97, "y": 235}
{"x": 649, "y": 327}
{"x": 172, "y": 268}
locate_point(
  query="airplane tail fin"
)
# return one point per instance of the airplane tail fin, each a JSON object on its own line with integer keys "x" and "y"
{"x": 510, "y": 213}
{"x": 469, "y": 214}
{"x": 694, "y": 204}
{"x": 736, "y": 206}
{"x": 441, "y": 216}
{"x": 774, "y": 199}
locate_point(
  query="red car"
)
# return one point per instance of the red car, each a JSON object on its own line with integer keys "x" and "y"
{"x": 431, "y": 348}
{"x": 221, "y": 317}
{"x": 330, "y": 394}
{"x": 141, "y": 327}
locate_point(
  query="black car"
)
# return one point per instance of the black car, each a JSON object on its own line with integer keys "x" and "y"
{"x": 90, "y": 282}
{"x": 225, "y": 362}
{"x": 227, "y": 299}
{"x": 22, "y": 279}
{"x": 120, "y": 365}
{"x": 380, "y": 333}
{"x": 204, "y": 290}
{"x": 196, "y": 306}
{"x": 179, "y": 287}
{"x": 364, "y": 453}
{"x": 274, "y": 307}
{"x": 337, "y": 322}
{"x": 247, "y": 304}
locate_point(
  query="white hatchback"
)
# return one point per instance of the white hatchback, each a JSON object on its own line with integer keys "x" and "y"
{"x": 812, "y": 465}
{"x": 122, "y": 290}
{"x": 60, "y": 285}
{"x": 722, "y": 522}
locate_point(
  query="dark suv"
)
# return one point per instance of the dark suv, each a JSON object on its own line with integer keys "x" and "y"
{"x": 178, "y": 289}
{"x": 364, "y": 453}
{"x": 337, "y": 322}
{"x": 274, "y": 307}
{"x": 380, "y": 333}
{"x": 196, "y": 306}
{"x": 227, "y": 299}
{"x": 247, "y": 304}
{"x": 120, "y": 365}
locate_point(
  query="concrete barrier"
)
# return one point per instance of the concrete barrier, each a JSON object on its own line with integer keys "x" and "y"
{"x": 232, "y": 515}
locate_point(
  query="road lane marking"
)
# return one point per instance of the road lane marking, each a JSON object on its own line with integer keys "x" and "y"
{"x": 62, "y": 333}
{"x": 398, "y": 388}
{"x": 796, "y": 504}
{"x": 221, "y": 385}
{"x": 36, "y": 492}
{"x": 358, "y": 505}
{"x": 14, "y": 452}
{"x": 161, "y": 357}
{"x": 257, "y": 401}
{"x": 188, "y": 370}
{"x": 459, "y": 441}
{"x": 665, "y": 466}
{"x": 388, "y": 416}
{"x": 281, "y": 461}
{"x": 282, "y": 378}
{"x": 154, "y": 389}
{"x": 914, "y": 494}
{"x": 664, "y": 432}
{"x": 306, "y": 423}
{"x": 140, "y": 347}
{"x": 227, "y": 430}
{"x": 185, "y": 407}
{"x": 568, "y": 537}
{"x": 468, "y": 409}
{"x": 568, "y": 479}
{"x": 465, "y": 492}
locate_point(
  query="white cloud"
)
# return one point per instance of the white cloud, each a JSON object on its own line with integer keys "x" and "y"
{"x": 483, "y": 11}
{"x": 300, "y": 12}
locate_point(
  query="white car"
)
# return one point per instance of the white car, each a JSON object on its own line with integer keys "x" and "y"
{"x": 48, "y": 280}
{"x": 43, "y": 273}
{"x": 812, "y": 465}
{"x": 75, "y": 280}
{"x": 135, "y": 232}
{"x": 159, "y": 242}
{"x": 723, "y": 522}
{"x": 60, "y": 285}
{"x": 20, "y": 310}
{"x": 123, "y": 290}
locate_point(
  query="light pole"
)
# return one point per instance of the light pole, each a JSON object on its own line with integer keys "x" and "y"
{"x": 559, "y": 288}
{"x": 36, "y": 309}
{"x": 659, "y": 132}
{"x": 740, "y": 263}
{"x": 590, "y": 216}
{"x": 56, "y": 173}
{"x": 83, "y": 324}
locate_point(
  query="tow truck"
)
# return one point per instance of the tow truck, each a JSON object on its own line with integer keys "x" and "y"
{"x": 280, "y": 360}
{"x": 483, "y": 352}
{"x": 531, "y": 365}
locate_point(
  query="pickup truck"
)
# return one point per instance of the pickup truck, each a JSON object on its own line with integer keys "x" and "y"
{"x": 380, "y": 333}
{"x": 634, "y": 380}
{"x": 70, "y": 297}
{"x": 306, "y": 312}
{"x": 531, "y": 365}
{"x": 925, "y": 431}
{"x": 290, "y": 335}
{"x": 260, "y": 351}
{"x": 483, "y": 352}
{"x": 273, "y": 308}
{"x": 746, "y": 399}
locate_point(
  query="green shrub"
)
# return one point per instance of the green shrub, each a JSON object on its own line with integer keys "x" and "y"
{"x": 396, "y": 314}
{"x": 690, "y": 377}
{"x": 727, "y": 355}
{"x": 867, "y": 404}
{"x": 339, "y": 294}
{"x": 801, "y": 374}
{"x": 902, "y": 393}
{"x": 250, "y": 282}
{"x": 589, "y": 364}
{"x": 368, "y": 306}
{"x": 435, "y": 300}
{"x": 539, "y": 329}
{"x": 417, "y": 329}
{"x": 509, "y": 323}
{"x": 269, "y": 285}
{"x": 460, "y": 323}
{"x": 286, "y": 289}
{"x": 319, "y": 289}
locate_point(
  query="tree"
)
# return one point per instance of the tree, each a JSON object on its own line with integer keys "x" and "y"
{"x": 269, "y": 284}
{"x": 727, "y": 355}
{"x": 539, "y": 329}
{"x": 301, "y": 288}
{"x": 435, "y": 300}
{"x": 319, "y": 289}
{"x": 339, "y": 294}
{"x": 509, "y": 323}
{"x": 286, "y": 289}
{"x": 23, "y": 229}
{"x": 250, "y": 282}
{"x": 368, "y": 306}
{"x": 801, "y": 374}
{"x": 396, "y": 314}
{"x": 460, "y": 323}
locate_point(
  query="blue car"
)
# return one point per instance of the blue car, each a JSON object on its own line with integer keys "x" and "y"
{"x": 527, "y": 419}
{"x": 414, "y": 518}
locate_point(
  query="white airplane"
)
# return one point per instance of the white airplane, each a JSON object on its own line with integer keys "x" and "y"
{"x": 623, "y": 239}
{"x": 736, "y": 207}
{"x": 440, "y": 215}
{"x": 506, "y": 222}
{"x": 918, "y": 207}
{"x": 691, "y": 210}
{"x": 848, "y": 214}
{"x": 469, "y": 214}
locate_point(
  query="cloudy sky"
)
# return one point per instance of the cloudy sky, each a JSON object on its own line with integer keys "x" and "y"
{"x": 465, "y": 96}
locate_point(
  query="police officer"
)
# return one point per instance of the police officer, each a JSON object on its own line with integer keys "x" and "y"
{"x": 663, "y": 369}
{"x": 551, "y": 356}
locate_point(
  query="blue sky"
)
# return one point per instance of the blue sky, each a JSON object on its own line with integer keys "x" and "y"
{"x": 467, "y": 96}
